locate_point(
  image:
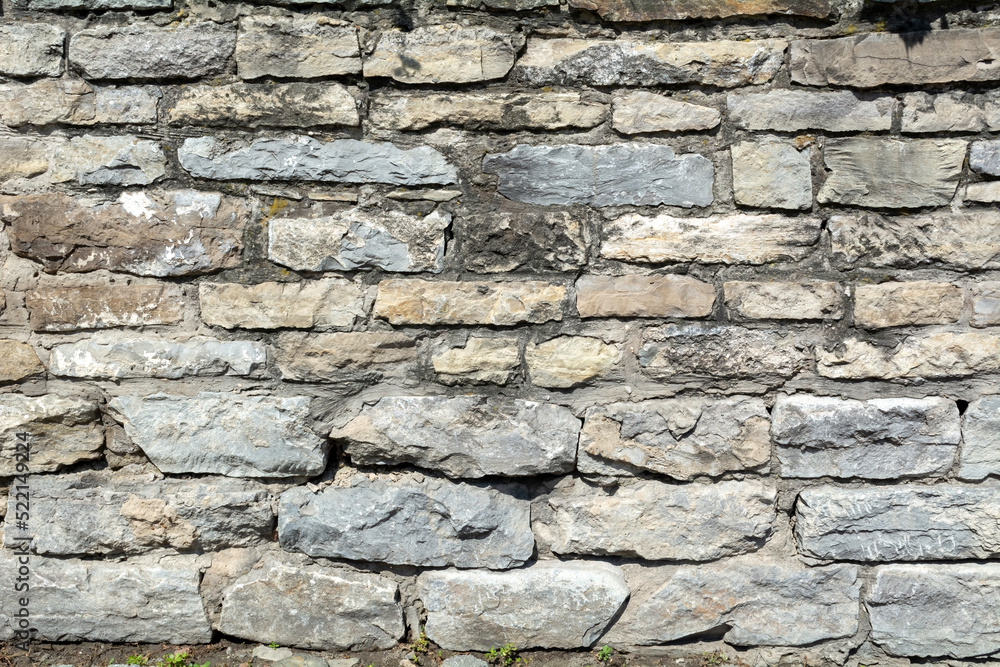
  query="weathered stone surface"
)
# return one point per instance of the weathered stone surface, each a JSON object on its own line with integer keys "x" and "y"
{"x": 985, "y": 304}
{"x": 468, "y": 302}
{"x": 313, "y": 607}
{"x": 784, "y": 300}
{"x": 595, "y": 62}
{"x": 330, "y": 303}
{"x": 75, "y": 102}
{"x": 566, "y": 361}
{"x": 98, "y": 4}
{"x": 550, "y": 604}
{"x": 987, "y": 192}
{"x": 652, "y": 10}
{"x": 121, "y": 160}
{"x": 172, "y": 233}
{"x": 980, "y": 455}
{"x": 771, "y": 174}
{"x": 24, "y": 157}
{"x": 94, "y": 601}
{"x": 681, "y": 438}
{"x": 145, "y": 51}
{"x": 356, "y": 239}
{"x": 486, "y": 111}
{"x": 481, "y": 360}
{"x": 638, "y": 111}
{"x": 658, "y": 521}
{"x": 643, "y": 296}
{"x": 720, "y": 351}
{"x": 511, "y": 5}
{"x": 947, "y": 112}
{"x": 31, "y": 49}
{"x": 302, "y": 158}
{"x": 528, "y": 240}
{"x": 938, "y": 355}
{"x": 224, "y": 434}
{"x": 17, "y": 361}
{"x": 984, "y": 157}
{"x": 61, "y": 431}
{"x": 602, "y": 175}
{"x": 794, "y": 110}
{"x": 877, "y": 59}
{"x": 463, "y": 661}
{"x": 276, "y": 105}
{"x": 104, "y": 513}
{"x": 301, "y": 46}
{"x": 888, "y": 173}
{"x": 328, "y": 357}
{"x": 883, "y": 438}
{"x": 941, "y": 522}
{"x": 935, "y": 610}
{"x": 729, "y": 239}
{"x": 76, "y": 308}
{"x": 428, "y": 523}
{"x": 464, "y": 436}
{"x": 900, "y": 304}
{"x": 143, "y": 358}
{"x": 442, "y": 54}
{"x": 759, "y": 603}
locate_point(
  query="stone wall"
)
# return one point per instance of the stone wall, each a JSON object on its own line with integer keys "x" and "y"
{"x": 625, "y": 322}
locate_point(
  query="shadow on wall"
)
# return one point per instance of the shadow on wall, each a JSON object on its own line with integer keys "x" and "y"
{"x": 913, "y": 19}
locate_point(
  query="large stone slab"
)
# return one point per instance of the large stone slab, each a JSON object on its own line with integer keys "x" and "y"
{"x": 772, "y": 174}
{"x": 468, "y": 302}
{"x": 939, "y": 355}
{"x": 646, "y": 174}
{"x": 935, "y": 610}
{"x": 313, "y": 607}
{"x": 76, "y": 308}
{"x": 895, "y": 304}
{"x": 595, "y": 62}
{"x": 811, "y": 300}
{"x": 172, "y": 233}
{"x": 331, "y": 303}
{"x": 643, "y": 296}
{"x": 567, "y": 361}
{"x": 550, "y": 604}
{"x": 24, "y": 157}
{"x": 449, "y": 53}
{"x": 429, "y": 523}
{"x": 103, "y": 513}
{"x": 295, "y": 104}
{"x": 795, "y": 110}
{"x": 654, "y": 10}
{"x": 758, "y": 602}
{"x": 639, "y": 111}
{"x": 224, "y": 434}
{"x": 18, "y": 360}
{"x": 117, "y": 160}
{"x": 464, "y": 436}
{"x": 75, "y": 102}
{"x": 980, "y": 454}
{"x": 947, "y": 112}
{"x": 530, "y": 240}
{"x": 61, "y": 431}
{"x": 301, "y": 158}
{"x": 148, "y": 357}
{"x": 302, "y": 46}
{"x": 332, "y": 357}
{"x": 31, "y": 49}
{"x": 883, "y": 438}
{"x": 680, "y": 438}
{"x": 47, "y": 5}
{"x": 481, "y": 360}
{"x": 657, "y": 521}
{"x": 899, "y": 523}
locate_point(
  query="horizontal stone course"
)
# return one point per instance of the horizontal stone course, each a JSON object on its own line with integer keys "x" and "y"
{"x": 643, "y": 296}
{"x": 909, "y": 303}
{"x": 325, "y": 304}
{"x": 468, "y": 302}
{"x": 623, "y": 10}
{"x": 795, "y": 110}
{"x": 76, "y": 102}
{"x": 92, "y": 307}
{"x": 302, "y": 46}
{"x": 442, "y": 54}
{"x": 155, "y": 358}
{"x": 784, "y": 300}
{"x": 937, "y": 355}
{"x": 260, "y": 105}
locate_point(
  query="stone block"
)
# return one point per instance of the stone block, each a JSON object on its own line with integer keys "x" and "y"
{"x": 568, "y": 361}
{"x": 297, "y": 104}
{"x": 302, "y": 46}
{"x": 909, "y": 303}
{"x": 638, "y": 111}
{"x": 331, "y": 303}
{"x": 643, "y": 296}
{"x": 938, "y": 355}
{"x": 481, "y": 360}
{"x": 61, "y": 431}
{"x": 331, "y": 357}
{"x": 651, "y": 10}
{"x": 980, "y": 455}
{"x": 442, "y": 54}
{"x": 771, "y": 174}
{"x": 524, "y": 239}
{"x": 93, "y": 307}
{"x": 814, "y": 300}
{"x": 31, "y": 49}
{"x": 154, "y": 358}
{"x": 796, "y": 110}
{"x": 498, "y": 303}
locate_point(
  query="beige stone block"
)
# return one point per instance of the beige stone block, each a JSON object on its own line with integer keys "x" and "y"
{"x": 784, "y": 300}
{"x": 643, "y": 296}
{"x": 321, "y": 304}
{"x": 909, "y": 303}
{"x": 938, "y": 355}
{"x": 469, "y": 302}
{"x": 638, "y": 111}
{"x": 101, "y": 307}
{"x": 567, "y": 361}
{"x": 491, "y": 360}
{"x": 442, "y": 54}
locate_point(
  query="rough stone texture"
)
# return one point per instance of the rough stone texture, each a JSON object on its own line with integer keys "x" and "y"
{"x": 984, "y": 157}
{"x": 980, "y": 455}
{"x": 31, "y": 49}
{"x": 935, "y": 610}
{"x": 320, "y": 304}
{"x": 530, "y": 240}
{"x": 794, "y": 110}
{"x": 942, "y": 522}
{"x": 883, "y": 438}
{"x": 947, "y": 112}
{"x": 121, "y": 160}
{"x": 102, "y": 513}
{"x": 938, "y": 355}
{"x": 442, "y": 54}
{"x": 463, "y": 661}
{"x": 17, "y": 361}
{"x": 307, "y": 159}
{"x": 224, "y": 434}
{"x": 481, "y": 360}
{"x": 877, "y": 59}
{"x": 356, "y": 239}
{"x": 328, "y": 357}
{"x": 680, "y": 438}
{"x": 658, "y": 521}
{"x": 61, "y": 431}
{"x": 784, "y": 300}
{"x": 652, "y": 10}
{"x": 468, "y": 302}
{"x": 302, "y": 46}
{"x": 148, "y": 357}
{"x": 550, "y": 604}
{"x": 643, "y": 296}
{"x": 596, "y": 62}
{"x": 485, "y": 111}
{"x": 76, "y": 308}
{"x": 567, "y": 361}
{"x": 464, "y": 436}
{"x": 987, "y": 193}
{"x": 44, "y": 5}
{"x": 75, "y": 102}
{"x": 900, "y": 304}
{"x": 172, "y": 233}
{"x": 276, "y": 105}
{"x": 728, "y": 239}
{"x": 24, "y": 157}
{"x": 429, "y": 523}
{"x": 313, "y": 607}
{"x": 759, "y": 603}
{"x": 888, "y": 173}
{"x": 985, "y": 304}
{"x": 771, "y": 174}
{"x": 638, "y": 111}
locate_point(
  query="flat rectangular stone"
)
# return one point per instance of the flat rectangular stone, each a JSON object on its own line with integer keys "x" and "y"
{"x": 884, "y": 438}
{"x": 97, "y": 5}
{"x": 980, "y": 455}
{"x": 62, "y": 431}
{"x": 77, "y": 308}
{"x": 303, "y": 46}
{"x": 480, "y": 360}
{"x": 117, "y": 160}
{"x": 938, "y": 355}
{"x": 567, "y": 361}
{"x": 984, "y": 157}
{"x": 18, "y": 360}
{"x": 448, "y": 53}
{"x": 641, "y": 174}
{"x": 726, "y": 239}
{"x": 772, "y": 174}
{"x": 334, "y": 357}
{"x": 909, "y": 303}
{"x": 31, "y": 49}
{"x": 331, "y": 303}
{"x": 795, "y": 110}
{"x": 654, "y": 10}
{"x": 947, "y": 112}
{"x": 148, "y": 357}
{"x": 468, "y": 302}
{"x": 898, "y": 523}
{"x": 643, "y": 296}
{"x": 24, "y": 157}
{"x": 985, "y": 304}
{"x": 639, "y": 111}
{"x": 528, "y": 239}
{"x": 595, "y": 62}
{"x": 812, "y": 300}
{"x": 987, "y": 192}
{"x": 296, "y": 104}
{"x": 75, "y": 102}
